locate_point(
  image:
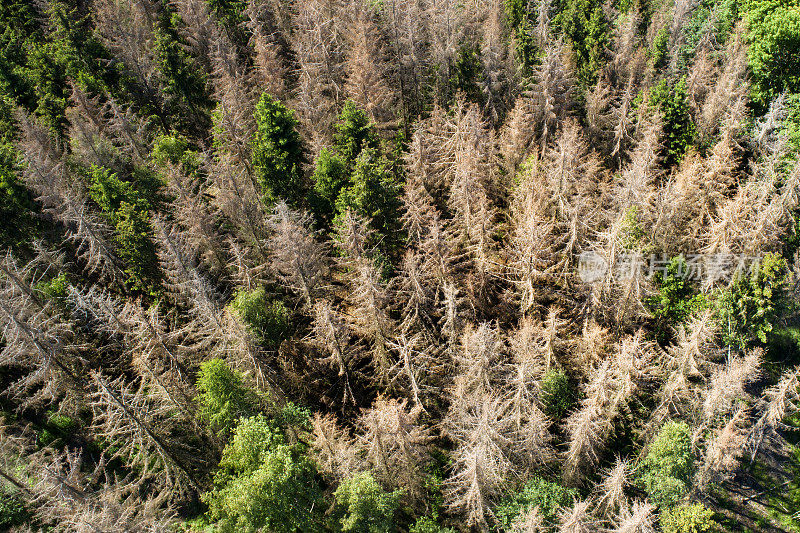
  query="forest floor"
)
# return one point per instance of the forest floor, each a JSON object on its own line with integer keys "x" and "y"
{"x": 762, "y": 495}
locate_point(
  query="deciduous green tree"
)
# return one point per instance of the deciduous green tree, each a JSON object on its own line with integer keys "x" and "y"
{"x": 548, "y": 496}
{"x": 669, "y": 464}
{"x": 689, "y": 518}
{"x": 774, "y": 51}
{"x": 266, "y": 319}
{"x": 264, "y": 484}
{"x": 362, "y": 506}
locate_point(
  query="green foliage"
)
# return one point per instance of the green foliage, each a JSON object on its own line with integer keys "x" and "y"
{"x": 59, "y": 426}
{"x": 668, "y": 467}
{"x": 658, "y": 50}
{"x": 55, "y": 288}
{"x": 679, "y": 129}
{"x": 676, "y": 299}
{"x": 556, "y": 394}
{"x": 83, "y": 56}
{"x": 547, "y": 495}
{"x": 355, "y": 176}
{"x": 12, "y": 512}
{"x": 264, "y": 484}
{"x": 354, "y": 133}
{"x": 362, "y": 506}
{"x": 175, "y": 149}
{"x": 266, "y": 319}
{"x": 278, "y": 152}
{"x": 254, "y": 437}
{"x": 293, "y": 416}
{"x": 688, "y": 518}
{"x": 518, "y": 19}
{"x": 584, "y": 23}
{"x": 426, "y": 524}
{"x": 48, "y": 80}
{"x": 109, "y": 192}
{"x": 749, "y": 308}
{"x": 133, "y": 237}
{"x": 18, "y": 32}
{"x": 224, "y": 397}
{"x": 330, "y": 177}
{"x": 632, "y": 235}
{"x": 466, "y": 73}
{"x": 229, "y": 12}
{"x": 774, "y": 47}
{"x": 516, "y": 12}
{"x": 714, "y": 17}
{"x": 35, "y": 65}
{"x": 374, "y": 194}
{"x": 790, "y": 126}
{"x": 17, "y": 223}
{"x": 127, "y": 210}
{"x": 186, "y": 102}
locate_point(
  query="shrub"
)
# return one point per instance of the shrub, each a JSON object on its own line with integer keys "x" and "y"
{"x": 689, "y": 518}
{"x": 362, "y": 506}
{"x": 749, "y": 308}
{"x": 676, "y": 300}
{"x": 669, "y": 464}
{"x": 556, "y": 394}
{"x": 59, "y": 426}
{"x": 537, "y": 492}
{"x": 267, "y": 320}
{"x": 427, "y": 524}
{"x": 224, "y": 397}
{"x": 12, "y": 512}
{"x": 56, "y": 288}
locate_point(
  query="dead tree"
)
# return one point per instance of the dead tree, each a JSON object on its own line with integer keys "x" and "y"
{"x": 333, "y": 447}
{"x": 130, "y": 417}
{"x": 332, "y": 335}
{"x": 300, "y": 261}
{"x": 394, "y": 442}
{"x": 37, "y": 341}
